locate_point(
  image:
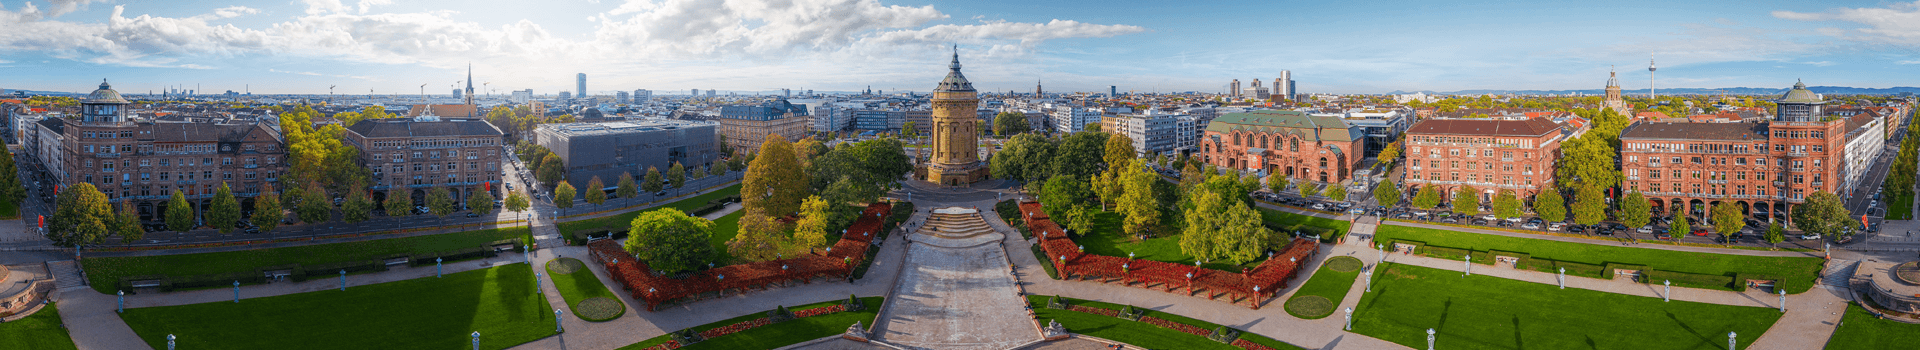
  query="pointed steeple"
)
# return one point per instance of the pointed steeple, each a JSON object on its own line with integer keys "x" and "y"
{"x": 1613, "y": 78}
{"x": 954, "y": 81}
{"x": 956, "y": 58}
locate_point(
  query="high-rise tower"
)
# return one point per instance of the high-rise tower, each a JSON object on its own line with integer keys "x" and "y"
{"x": 580, "y": 85}
{"x": 1234, "y": 90}
{"x": 956, "y": 144}
{"x": 1650, "y": 68}
{"x": 1283, "y": 86}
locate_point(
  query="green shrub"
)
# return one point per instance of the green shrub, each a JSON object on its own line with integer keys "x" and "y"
{"x": 1689, "y": 280}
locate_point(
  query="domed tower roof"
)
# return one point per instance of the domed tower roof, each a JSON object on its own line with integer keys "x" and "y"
{"x": 954, "y": 81}
{"x": 1800, "y": 94}
{"x": 104, "y": 95}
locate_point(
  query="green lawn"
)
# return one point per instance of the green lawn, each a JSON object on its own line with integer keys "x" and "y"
{"x": 1860, "y": 330}
{"x": 622, "y": 221}
{"x": 42, "y": 331}
{"x": 1106, "y": 238}
{"x": 1135, "y": 333}
{"x": 1284, "y": 219}
{"x": 581, "y": 284}
{"x": 1323, "y": 292}
{"x": 780, "y": 334}
{"x": 1481, "y": 312}
{"x": 11, "y": 210}
{"x": 426, "y": 313}
{"x": 1798, "y": 273}
{"x": 724, "y": 229}
{"x": 105, "y": 272}
{"x": 1901, "y": 208}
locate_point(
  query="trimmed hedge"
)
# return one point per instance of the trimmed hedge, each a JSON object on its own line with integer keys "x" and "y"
{"x": 1044, "y": 264}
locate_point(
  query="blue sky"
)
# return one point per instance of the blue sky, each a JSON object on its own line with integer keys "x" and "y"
{"x": 387, "y": 46}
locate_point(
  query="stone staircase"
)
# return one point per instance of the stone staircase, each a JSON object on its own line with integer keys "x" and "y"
{"x": 66, "y": 275}
{"x": 956, "y": 225}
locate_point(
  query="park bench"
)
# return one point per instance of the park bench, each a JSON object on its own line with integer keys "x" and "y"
{"x": 397, "y": 261}
{"x": 146, "y": 284}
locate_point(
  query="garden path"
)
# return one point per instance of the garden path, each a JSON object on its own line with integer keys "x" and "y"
{"x": 956, "y": 293}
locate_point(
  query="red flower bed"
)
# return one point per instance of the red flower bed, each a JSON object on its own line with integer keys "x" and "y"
{"x": 819, "y": 311}
{"x": 669, "y": 345}
{"x": 1244, "y": 344}
{"x": 1182, "y": 327}
{"x": 1095, "y": 310}
{"x": 735, "y": 328}
{"x": 656, "y": 290}
{"x": 1270, "y": 276}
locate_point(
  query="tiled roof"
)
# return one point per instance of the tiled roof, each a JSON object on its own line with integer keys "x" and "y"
{"x": 1484, "y": 127}
{"x": 406, "y": 127}
{"x": 204, "y": 132}
{"x": 455, "y": 110}
{"x": 1287, "y": 122}
{"x": 1695, "y": 131}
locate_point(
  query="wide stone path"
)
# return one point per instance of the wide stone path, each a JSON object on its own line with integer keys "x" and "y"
{"x": 956, "y": 294}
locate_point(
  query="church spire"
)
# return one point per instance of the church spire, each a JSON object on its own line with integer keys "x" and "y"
{"x": 956, "y": 58}
{"x": 469, "y": 83}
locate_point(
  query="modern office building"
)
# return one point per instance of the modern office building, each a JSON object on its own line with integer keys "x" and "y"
{"x": 1283, "y": 86}
{"x": 642, "y": 96}
{"x": 1488, "y": 154}
{"x": 580, "y": 84}
{"x": 609, "y": 149}
{"x": 521, "y": 96}
{"x": 566, "y": 95}
{"x": 747, "y": 126}
{"x": 621, "y": 97}
{"x": 412, "y": 156}
{"x": 1284, "y": 143}
{"x": 1068, "y": 119}
{"x": 1153, "y": 132}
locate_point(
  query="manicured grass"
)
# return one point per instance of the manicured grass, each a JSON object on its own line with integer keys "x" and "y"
{"x": 426, "y": 313}
{"x": 1135, "y": 333}
{"x": 10, "y": 210}
{"x": 1860, "y": 330}
{"x": 1901, "y": 208}
{"x": 779, "y": 334}
{"x": 576, "y": 283}
{"x": 1481, "y": 312}
{"x": 42, "y": 331}
{"x": 105, "y": 272}
{"x": 1106, "y": 238}
{"x": 1329, "y": 284}
{"x": 1277, "y": 218}
{"x": 1797, "y": 273}
{"x": 624, "y": 220}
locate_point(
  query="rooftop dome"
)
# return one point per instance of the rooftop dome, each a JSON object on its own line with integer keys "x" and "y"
{"x": 954, "y": 81}
{"x": 104, "y": 95}
{"x": 1800, "y": 94}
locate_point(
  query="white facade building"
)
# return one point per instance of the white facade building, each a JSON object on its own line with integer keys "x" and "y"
{"x": 1068, "y": 119}
{"x": 1864, "y": 144}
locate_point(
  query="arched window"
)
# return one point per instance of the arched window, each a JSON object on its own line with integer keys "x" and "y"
{"x": 1323, "y": 176}
{"x": 1263, "y": 142}
{"x": 1323, "y": 163}
{"x": 1295, "y": 146}
{"x": 1236, "y": 139}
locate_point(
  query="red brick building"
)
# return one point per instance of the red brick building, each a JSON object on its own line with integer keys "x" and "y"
{"x": 1488, "y": 154}
{"x": 1287, "y": 143}
{"x": 1761, "y": 167}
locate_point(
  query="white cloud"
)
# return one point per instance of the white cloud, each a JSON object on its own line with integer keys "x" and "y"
{"x": 62, "y": 7}
{"x": 1898, "y": 23}
{"x": 1909, "y": 62}
{"x": 367, "y": 5}
{"x": 315, "y": 7}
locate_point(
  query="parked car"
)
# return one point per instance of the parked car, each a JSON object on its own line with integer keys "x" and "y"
{"x": 1318, "y": 206}
{"x": 1530, "y": 226}
{"x": 1809, "y": 236}
{"x": 1645, "y": 229}
{"x": 1489, "y": 217}
{"x": 1556, "y": 226}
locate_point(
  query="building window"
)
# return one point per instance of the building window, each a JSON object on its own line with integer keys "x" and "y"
{"x": 143, "y": 177}
{"x": 377, "y": 156}
{"x": 163, "y": 162}
{"x": 206, "y": 175}
{"x": 226, "y": 175}
{"x": 250, "y": 175}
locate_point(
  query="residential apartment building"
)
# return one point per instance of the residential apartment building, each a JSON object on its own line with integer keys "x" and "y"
{"x": 1069, "y": 119}
{"x": 1152, "y": 133}
{"x": 1488, "y": 154}
{"x": 1762, "y": 167}
{"x": 1285, "y": 143}
{"x": 412, "y": 156}
{"x": 747, "y": 126}
{"x": 144, "y": 160}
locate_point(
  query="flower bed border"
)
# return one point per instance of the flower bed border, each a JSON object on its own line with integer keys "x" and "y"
{"x": 655, "y": 291}
{"x": 743, "y": 326}
{"x": 1253, "y": 287}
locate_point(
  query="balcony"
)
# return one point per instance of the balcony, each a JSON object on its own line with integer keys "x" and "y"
{"x": 1796, "y": 154}
{"x": 251, "y": 166}
{"x": 1779, "y": 184}
{"x": 1506, "y": 159}
{"x": 1716, "y": 181}
{"x": 107, "y": 155}
{"x": 1633, "y": 177}
{"x": 473, "y": 157}
{"x": 1526, "y": 173}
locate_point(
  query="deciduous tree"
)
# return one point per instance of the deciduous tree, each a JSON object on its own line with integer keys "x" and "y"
{"x": 670, "y": 241}
{"x": 1007, "y": 124}
{"x": 267, "y": 211}
{"x": 439, "y": 202}
{"x": 11, "y": 189}
{"x": 1635, "y": 211}
{"x": 552, "y": 169}
{"x": 1589, "y": 206}
{"x": 224, "y": 211}
{"x": 481, "y": 203}
{"x": 516, "y": 202}
{"x": 1681, "y": 227}
{"x": 653, "y": 182}
{"x": 1728, "y": 219}
{"x": 811, "y": 230}
{"x": 596, "y": 191}
{"x": 775, "y": 183}
{"x": 1823, "y": 214}
{"x": 314, "y": 205}
{"x": 1136, "y": 204}
{"x": 1466, "y": 200}
{"x": 1337, "y": 192}
{"x": 759, "y": 238}
{"x": 179, "y": 212}
{"x": 399, "y": 204}
{"x": 1550, "y": 205}
{"x": 127, "y": 222}
{"x": 1506, "y": 205}
{"x": 1426, "y": 198}
{"x": 563, "y": 195}
{"x": 1775, "y": 235}
{"x": 1386, "y": 193}
{"x": 677, "y": 175}
{"x": 82, "y": 216}
{"x": 626, "y": 188}
{"x": 357, "y": 207}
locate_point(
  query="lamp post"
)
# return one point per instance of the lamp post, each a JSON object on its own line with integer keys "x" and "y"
{"x": 1730, "y": 337}
{"x": 1668, "y": 295}
{"x": 1783, "y": 300}
{"x": 123, "y": 300}
{"x": 476, "y": 340}
{"x": 236, "y": 292}
{"x": 1349, "y": 319}
{"x": 1467, "y": 264}
{"x": 1429, "y": 338}
{"x": 556, "y": 321}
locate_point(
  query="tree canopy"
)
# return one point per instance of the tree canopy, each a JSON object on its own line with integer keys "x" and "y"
{"x": 1822, "y": 214}
{"x": 1550, "y": 205}
{"x": 775, "y": 183}
{"x": 82, "y": 216}
{"x": 1009, "y": 123}
{"x": 267, "y": 211}
{"x": 224, "y": 211}
{"x": 670, "y": 241}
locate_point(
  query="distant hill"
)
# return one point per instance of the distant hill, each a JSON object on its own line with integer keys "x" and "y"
{"x": 1830, "y": 90}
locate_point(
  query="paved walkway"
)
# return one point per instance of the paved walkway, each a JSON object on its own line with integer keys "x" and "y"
{"x": 956, "y": 294}
{"x": 1728, "y": 251}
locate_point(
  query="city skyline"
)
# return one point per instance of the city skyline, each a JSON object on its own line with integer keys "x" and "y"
{"x": 392, "y": 48}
